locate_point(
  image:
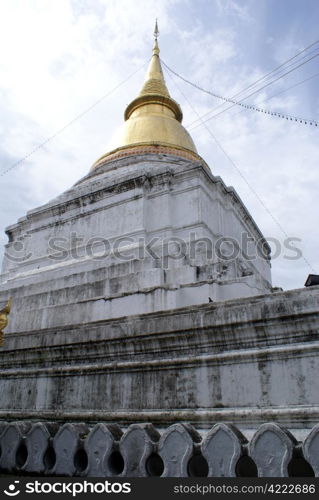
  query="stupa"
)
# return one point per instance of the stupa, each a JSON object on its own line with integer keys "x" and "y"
{"x": 143, "y": 294}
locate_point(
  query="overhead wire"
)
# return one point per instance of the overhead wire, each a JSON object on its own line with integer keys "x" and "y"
{"x": 275, "y": 70}
{"x": 234, "y": 103}
{"x": 80, "y": 115}
{"x": 76, "y": 118}
{"x": 265, "y": 77}
{"x": 310, "y": 121}
{"x": 280, "y": 92}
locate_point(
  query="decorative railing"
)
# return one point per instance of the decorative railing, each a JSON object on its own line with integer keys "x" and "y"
{"x": 105, "y": 450}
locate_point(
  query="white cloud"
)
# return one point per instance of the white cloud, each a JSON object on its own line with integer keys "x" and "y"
{"x": 234, "y": 8}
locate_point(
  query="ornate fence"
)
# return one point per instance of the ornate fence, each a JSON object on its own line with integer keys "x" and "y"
{"x": 105, "y": 450}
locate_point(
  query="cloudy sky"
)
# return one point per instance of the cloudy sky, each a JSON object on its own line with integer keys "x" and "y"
{"x": 59, "y": 59}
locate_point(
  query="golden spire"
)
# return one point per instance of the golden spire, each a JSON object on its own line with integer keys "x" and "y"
{"x": 153, "y": 118}
{"x": 154, "y": 89}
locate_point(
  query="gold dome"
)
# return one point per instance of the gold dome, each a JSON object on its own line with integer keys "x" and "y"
{"x": 153, "y": 120}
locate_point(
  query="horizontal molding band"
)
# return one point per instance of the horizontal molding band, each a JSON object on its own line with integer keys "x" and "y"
{"x": 98, "y": 350}
{"x": 282, "y": 352}
{"x": 203, "y": 317}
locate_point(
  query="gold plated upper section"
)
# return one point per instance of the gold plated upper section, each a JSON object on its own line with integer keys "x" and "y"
{"x": 153, "y": 118}
{"x": 155, "y": 83}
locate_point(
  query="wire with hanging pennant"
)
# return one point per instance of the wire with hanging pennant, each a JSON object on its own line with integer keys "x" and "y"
{"x": 278, "y": 114}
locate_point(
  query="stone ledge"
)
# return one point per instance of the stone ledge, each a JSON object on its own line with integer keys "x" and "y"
{"x": 280, "y": 307}
{"x": 281, "y": 352}
{"x": 294, "y": 417}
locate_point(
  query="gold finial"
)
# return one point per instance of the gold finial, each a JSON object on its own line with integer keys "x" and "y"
{"x": 4, "y": 313}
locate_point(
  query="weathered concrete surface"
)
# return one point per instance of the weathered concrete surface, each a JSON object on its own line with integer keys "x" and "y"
{"x": 246, "y": 361}
{"x": 272, "y": 450}
{"x": 99, "y": 446}
{"x": 176, "y": 448}
{"x": 222, "y": 448}
{"x": 136, "y": 446}
{"x": 13, "y": 453}
{"x": 311, "y": 449}
{"x": 38, "y": 443}
{"x": 68, "y": 444}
